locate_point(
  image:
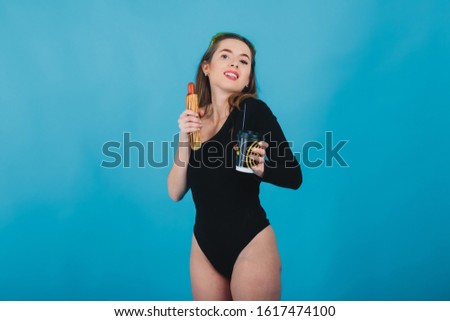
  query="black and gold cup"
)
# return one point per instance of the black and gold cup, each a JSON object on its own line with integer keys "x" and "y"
{"x": 247, "y": 140}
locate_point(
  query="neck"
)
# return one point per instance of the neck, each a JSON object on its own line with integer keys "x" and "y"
{"x": 219, "y": 105}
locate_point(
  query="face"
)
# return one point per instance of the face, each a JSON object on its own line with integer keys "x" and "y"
{"x": 230, "y": 66}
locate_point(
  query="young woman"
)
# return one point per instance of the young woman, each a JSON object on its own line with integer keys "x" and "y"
{"x": 234, "y": 254}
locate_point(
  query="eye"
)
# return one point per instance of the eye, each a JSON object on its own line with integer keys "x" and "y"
{"x": 224, "y": 56}
{"x": 244, "y": 62}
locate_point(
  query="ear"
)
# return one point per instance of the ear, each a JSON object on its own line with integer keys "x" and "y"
{"x": 205, "y": 67}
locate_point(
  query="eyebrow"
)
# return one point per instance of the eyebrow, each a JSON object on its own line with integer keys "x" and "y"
{"x": 228, "y": 50}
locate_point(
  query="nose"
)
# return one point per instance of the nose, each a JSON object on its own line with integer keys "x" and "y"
{"x": 234, "y": 64}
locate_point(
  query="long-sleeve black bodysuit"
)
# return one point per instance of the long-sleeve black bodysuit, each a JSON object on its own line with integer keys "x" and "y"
{"x": 229, "y": 214}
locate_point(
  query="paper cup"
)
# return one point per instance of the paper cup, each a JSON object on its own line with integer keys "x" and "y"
{"x": 247, "y": 140}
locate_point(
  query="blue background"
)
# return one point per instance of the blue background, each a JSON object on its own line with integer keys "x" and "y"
{"x": 77, "y": 74}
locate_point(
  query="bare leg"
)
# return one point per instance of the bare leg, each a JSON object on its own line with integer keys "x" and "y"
{"x": 257, "y": 271}
{"x": 207, "y": 283}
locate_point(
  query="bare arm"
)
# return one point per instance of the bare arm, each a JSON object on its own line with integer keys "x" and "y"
{"x": 177, "y": 180}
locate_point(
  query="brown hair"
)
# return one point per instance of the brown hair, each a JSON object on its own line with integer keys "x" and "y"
{"x": 202, "y": 82}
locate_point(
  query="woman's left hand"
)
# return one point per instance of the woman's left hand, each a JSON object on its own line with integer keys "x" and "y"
{"x": 260, "y": 154}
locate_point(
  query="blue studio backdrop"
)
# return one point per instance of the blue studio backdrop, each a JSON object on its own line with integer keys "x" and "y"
{"x": 371, "y": 77}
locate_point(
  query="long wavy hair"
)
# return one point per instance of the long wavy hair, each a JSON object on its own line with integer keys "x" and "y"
{"x": 202, "y": 82}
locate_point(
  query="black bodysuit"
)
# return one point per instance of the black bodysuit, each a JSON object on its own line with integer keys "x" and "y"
{"x": 229, "y": 214}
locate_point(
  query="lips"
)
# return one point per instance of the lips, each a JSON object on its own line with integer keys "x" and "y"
{"x": 232, "y": 75}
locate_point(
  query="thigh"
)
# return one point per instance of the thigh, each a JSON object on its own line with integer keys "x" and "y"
{"x": 207, "y": 283}
{"x": 257, "y": 271}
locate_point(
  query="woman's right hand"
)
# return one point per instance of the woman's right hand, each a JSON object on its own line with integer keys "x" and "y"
{"x": 189, "y": 122}
{"x": 177, "y": 180}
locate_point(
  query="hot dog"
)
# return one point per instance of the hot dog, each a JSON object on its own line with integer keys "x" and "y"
{"x": 192, "y": 104}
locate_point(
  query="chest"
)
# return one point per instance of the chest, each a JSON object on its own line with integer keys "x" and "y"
{"x": 210, "y": 129}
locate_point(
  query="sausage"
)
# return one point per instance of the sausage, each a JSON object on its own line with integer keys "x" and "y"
{"x": 192, "y": 104}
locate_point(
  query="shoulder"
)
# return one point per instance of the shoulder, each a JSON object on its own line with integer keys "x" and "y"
{"x": 256, "y": 106}
{"x": 255, "y": 115}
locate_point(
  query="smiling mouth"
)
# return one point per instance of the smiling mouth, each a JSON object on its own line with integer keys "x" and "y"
{"x": 231, "y": 75}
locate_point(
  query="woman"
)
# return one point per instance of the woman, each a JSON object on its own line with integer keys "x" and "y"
{"x": 234, "y": 254}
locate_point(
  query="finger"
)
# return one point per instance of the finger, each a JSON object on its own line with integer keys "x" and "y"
{"x": 258, "y": 169}
{"x": 191, "y": 129}
{"x": 259, "y": 151}
{"x": 263, "y": 144}
{"x": 185, "y": 126}
{"x": 257, "y": 159}
{"x": 188, "y": 112}
{"x": 191, "y": 124}
{"x": 191, "y": 119}
{"x": 192, "y": 113}
{"x": 195, "y": 119}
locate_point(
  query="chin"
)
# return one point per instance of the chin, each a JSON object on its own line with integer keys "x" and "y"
{"x": 232, "y": 89}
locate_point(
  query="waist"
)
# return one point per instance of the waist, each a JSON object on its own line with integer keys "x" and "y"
{"x": 230, "y": 204}
{"x": 224, "y": 218}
